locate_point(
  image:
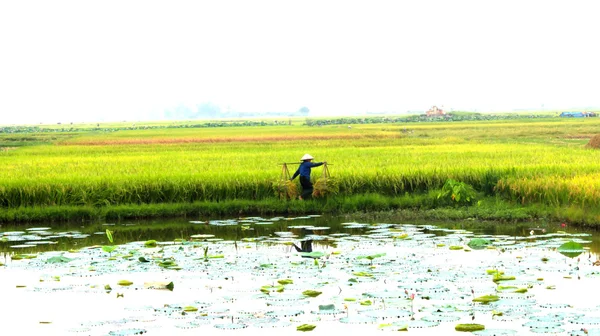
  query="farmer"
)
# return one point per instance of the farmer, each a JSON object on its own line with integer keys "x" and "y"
{"x": 304, "y": 172}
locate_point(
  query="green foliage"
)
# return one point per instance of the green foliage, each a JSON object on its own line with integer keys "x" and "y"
{"x": 460, "y": 193}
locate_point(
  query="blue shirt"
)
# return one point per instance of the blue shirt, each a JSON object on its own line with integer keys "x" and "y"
{"x": 304, "y": 169}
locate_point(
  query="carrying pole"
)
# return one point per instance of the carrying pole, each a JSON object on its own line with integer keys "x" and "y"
{"x": 295, "y": 163}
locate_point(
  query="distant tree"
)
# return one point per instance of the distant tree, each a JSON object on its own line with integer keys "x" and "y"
{"x": 304, "y": 110}
{"x": 209, "y": 110}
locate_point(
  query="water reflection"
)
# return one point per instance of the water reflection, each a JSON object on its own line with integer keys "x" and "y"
{"x": 65, "y": 236}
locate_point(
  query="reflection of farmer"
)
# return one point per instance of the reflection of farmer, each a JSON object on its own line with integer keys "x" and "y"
{"x": 304, "y": 172}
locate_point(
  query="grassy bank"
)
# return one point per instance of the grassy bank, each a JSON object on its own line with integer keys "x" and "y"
{"x": 409, "y": 207}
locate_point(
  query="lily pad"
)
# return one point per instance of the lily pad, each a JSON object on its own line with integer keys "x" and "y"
{"x": 469, "y": 327}
{"x": 150, "y": 243}
{"x": 124, "y": 283}
{"x": 311, "y": 293}
{"x": 58, "y": 260}
{"x": 486, "y": 299}
{"x": 479, "y": 243}
{"x": 306, "y": 327}
{"x": 571, "y": 249}
{"x": 314, "y": 255}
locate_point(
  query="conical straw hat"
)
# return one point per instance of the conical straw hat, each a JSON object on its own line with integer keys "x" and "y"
{"x": 307, "y": 157}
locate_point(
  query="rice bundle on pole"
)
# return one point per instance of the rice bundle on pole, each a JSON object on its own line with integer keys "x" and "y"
{"x": 325, "y": 185}
{"x": 285, "y": 188}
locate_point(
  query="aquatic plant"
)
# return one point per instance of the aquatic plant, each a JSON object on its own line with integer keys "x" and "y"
{"x": 455, "y": 192}
{"x": 109, "y": 248}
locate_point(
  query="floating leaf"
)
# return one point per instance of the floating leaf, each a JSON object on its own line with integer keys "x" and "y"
{"x": 306, "y": 327}
{"x": 109, "y": 248}
{"x": 268, "y": 289}
{"x": 314, "y": 255}
{"x": 285, "y": 281}
{"x": 499, "y": 277}
{"x": 170, "y": 286}
{"x": 311, "y": 293}
{"x": 372, "y": 256}
{"x": 570, "y": 249}
{"x": 479, "y": 243}
{"x": 58, "y": 260}
{"x": 150, "y": 243}
{"x": 469, "y": 327}
{"x": 159, "y": 285}
{"x": 486, "y": 299}
{"x": 327, "y": 307}
{"x": 124, "y": 283}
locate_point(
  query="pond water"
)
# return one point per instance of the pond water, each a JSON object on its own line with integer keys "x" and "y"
{"x": 240, "y": 276}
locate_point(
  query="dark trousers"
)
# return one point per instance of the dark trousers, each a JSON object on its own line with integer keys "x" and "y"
{"x": 307, "y": 187}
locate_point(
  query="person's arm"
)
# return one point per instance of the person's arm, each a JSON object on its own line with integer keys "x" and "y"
{"x": 295, "y": 174}
{"x": 316, "y": 164}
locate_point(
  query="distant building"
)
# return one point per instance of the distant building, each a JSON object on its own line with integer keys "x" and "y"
{"x": 435, "y": 112}
{"x": 577, "y": 114}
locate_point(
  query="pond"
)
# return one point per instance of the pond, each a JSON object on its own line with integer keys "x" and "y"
{"x": 244, "y": 275}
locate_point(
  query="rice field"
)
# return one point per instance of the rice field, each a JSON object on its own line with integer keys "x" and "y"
{"x": 527, "y": 161}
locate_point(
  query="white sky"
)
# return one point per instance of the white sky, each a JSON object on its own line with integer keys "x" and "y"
{"x": 115, "y": 60}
